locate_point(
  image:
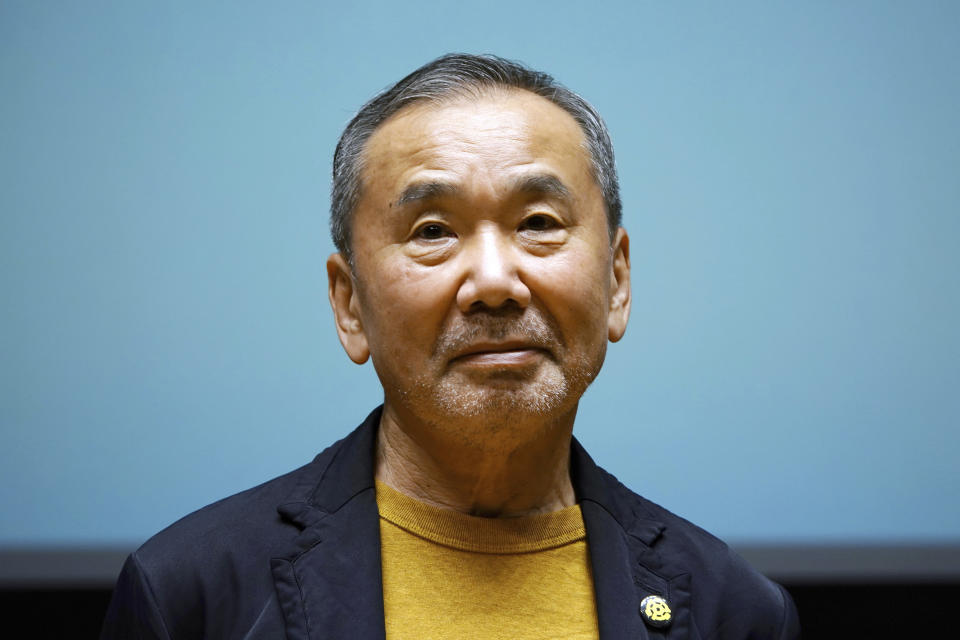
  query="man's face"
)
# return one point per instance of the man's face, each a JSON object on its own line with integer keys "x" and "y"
{"x": 485, "y": 284}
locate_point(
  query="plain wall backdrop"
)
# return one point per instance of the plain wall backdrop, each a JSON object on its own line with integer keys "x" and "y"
{"x": 789, "y": 171}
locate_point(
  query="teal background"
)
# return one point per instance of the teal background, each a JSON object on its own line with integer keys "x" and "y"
{"x": 791, "y": 373}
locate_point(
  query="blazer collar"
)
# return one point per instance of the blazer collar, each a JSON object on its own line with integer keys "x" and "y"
{"x": 329, "y": 582}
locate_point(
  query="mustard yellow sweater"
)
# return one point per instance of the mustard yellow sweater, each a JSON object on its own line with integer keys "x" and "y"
{"x": 450, "y": 575}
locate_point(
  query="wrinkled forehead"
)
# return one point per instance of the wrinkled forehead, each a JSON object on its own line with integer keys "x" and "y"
{"x": 504, "y": 126}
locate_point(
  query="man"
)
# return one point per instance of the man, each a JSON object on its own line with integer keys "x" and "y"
{"x": 482, "y": 267}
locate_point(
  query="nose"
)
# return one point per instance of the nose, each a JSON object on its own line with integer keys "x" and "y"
{"x": 492, "y": 276}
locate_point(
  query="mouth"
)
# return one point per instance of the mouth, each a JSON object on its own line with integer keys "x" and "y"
{"x": 499, "y": 355}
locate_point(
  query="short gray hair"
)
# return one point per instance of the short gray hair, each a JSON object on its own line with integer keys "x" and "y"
{"x": 455, "y": 74}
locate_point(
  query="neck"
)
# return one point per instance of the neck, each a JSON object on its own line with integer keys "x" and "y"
{"x": 520, "y": 470}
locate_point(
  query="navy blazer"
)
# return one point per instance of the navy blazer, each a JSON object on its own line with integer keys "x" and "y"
{"x": 299, "y": 557}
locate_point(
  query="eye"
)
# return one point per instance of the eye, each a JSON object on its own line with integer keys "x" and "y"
{"x": 539, "y": 222}
{"x": 431, "y": 231}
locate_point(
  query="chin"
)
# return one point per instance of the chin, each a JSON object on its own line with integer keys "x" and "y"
{"x": 499, "y": 403}
{"x": 503, "y": 402}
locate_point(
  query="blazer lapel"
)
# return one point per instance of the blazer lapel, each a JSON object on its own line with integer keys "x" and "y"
{"x": 329, "y": 580}
{"x": 610, "y": 559}
{"x": 626, "y": 566}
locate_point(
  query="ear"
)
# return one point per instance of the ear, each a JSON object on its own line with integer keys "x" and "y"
{"x": 619, "y": 286}
{"x": 342, "y": 290}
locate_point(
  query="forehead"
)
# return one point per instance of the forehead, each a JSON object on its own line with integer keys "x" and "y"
{"x": 491, "y": 135}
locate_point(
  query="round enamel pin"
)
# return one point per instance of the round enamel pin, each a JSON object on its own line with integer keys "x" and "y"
{"x": 656, "y": 611}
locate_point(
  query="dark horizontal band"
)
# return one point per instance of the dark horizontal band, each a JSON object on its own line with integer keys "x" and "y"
{"x": 793, "y": 564}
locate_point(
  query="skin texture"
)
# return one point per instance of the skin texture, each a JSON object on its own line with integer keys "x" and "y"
{"x": 485, "y": 287}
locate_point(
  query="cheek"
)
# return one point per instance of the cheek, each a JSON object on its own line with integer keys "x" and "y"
{"x": 578, "y": 297}
{"x": 405, "y": 307}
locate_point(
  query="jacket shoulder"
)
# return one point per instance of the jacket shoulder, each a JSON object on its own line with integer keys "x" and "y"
{"x": 214, "y": 559}
{"x": 729, "y": 597}
{"x": 245, "y": 519}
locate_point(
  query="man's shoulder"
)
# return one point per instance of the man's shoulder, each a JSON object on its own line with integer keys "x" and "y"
{"x": 651, "y": 524}
{"x": 219, "y": 554}
{"x": 240, "y": 524}
{"x": 677, "y": 537}
{"x": 732, "y": 593}
{"x": 241, "y": 518}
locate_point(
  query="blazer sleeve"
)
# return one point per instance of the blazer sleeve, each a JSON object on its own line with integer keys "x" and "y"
{"x": 790, "y": 627}
{"x": 133, "y": 612}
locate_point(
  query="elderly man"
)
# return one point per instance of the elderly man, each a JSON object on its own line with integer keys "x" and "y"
{"x": 482, "y": 267}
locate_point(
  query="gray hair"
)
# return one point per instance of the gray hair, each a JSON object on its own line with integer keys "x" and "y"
{"x": 458, "y": 74}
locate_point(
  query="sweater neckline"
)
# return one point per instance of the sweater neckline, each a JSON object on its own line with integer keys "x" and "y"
{"x": 450, "y": 528}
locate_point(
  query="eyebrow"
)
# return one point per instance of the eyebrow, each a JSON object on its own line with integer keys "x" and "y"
{"x": 420, "y": 191}
{"x": 538, "y": 184}
{"x": 543, "y": 184}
